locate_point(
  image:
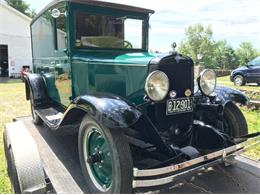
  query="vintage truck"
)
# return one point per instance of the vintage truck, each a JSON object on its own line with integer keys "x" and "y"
{"x": 142, "y": 119}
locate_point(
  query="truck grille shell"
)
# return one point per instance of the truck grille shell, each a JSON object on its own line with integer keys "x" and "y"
{"x": 180, "y": 71}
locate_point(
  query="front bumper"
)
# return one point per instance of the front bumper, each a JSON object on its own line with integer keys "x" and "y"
{"x": 165, "y": 175}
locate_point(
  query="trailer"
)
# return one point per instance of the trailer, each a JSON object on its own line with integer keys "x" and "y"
{"x": 39, "y": 161}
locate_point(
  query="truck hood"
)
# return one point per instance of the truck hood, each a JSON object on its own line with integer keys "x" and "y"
{"x": 113, "y": 58}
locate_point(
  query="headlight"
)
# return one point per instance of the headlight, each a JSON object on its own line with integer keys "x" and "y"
{"x": 207, "y": 82}
{"x": 157, "y": 85}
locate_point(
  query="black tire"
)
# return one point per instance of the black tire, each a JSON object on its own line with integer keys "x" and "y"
{"x": 235, "y": 122}
{"x": 239, "y": 80}
{"x": 119, "y": 154}
{"x": 36, "y": 119}
{"x": 11, "y": 168}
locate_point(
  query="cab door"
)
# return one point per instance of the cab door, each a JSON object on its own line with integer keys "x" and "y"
{"x": 61, "y": 57}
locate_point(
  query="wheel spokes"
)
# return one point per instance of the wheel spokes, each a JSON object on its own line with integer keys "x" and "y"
{"x": 99, "y": 158}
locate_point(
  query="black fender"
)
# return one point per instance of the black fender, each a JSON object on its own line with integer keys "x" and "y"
{"x": 224, "y": 95}
{"x": 36, "y": 84}
{"x": 113, "y": 112}
{"x": 211, "y": 110}
{"x": 107, "y": 109}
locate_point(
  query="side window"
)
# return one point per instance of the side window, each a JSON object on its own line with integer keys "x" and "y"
{"x": 42, "y": 36}
{"x": 133, "y": 32}
{"x": 255, "y": 62}
{"x": 61, "y": 30}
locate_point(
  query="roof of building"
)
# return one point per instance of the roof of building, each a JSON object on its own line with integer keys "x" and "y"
{"x": 100, "y": 4}
{"x": 15, "y": 11}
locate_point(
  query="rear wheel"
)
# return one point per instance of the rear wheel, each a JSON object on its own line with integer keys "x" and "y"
{"x": 105, "y": 158}
{"x": 239, "y": 80}
{"x": 36, "y": 119}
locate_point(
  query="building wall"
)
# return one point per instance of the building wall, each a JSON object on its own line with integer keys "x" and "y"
{"x": 15, "y": 32}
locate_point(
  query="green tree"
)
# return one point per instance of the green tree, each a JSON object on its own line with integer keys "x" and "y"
{"x": 245, "y": 52}
{"x": 199, "y": 45}
{"x": 224, "y": 55}
{"x": 22, "y": 6}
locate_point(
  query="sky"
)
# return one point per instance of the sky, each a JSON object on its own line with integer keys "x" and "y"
{"x": 233, "y": 20}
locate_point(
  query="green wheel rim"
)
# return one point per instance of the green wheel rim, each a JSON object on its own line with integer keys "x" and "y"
{"x": 98, "y": 159}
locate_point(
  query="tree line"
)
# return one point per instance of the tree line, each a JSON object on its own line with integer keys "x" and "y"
{"x": 205, "y": 51}
{"x": 22, "y": 6}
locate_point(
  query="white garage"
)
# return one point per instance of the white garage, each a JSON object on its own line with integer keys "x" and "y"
{"x": 15, "y": 41}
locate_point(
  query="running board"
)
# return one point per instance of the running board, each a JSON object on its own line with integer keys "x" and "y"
{"x": 51, "y": 116}
{"x": 143, "y": 177}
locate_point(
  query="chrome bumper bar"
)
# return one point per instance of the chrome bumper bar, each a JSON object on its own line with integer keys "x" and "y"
{"x": 143, "y": 177}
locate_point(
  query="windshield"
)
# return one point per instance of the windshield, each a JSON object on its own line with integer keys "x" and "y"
{"x": 255, "y": 62}
{"x": 102, "y": 31}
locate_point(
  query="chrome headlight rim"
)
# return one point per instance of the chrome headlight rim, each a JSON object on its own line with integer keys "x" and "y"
{"x": 199, "y": 82}
{"x": 196, "y": 88}
{"x": 147, "y": 82}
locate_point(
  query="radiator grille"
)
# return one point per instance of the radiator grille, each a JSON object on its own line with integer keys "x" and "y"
{"x": 180, "y": 73}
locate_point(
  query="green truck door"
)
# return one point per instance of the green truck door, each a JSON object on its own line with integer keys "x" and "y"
{"x": 62, "y": 63}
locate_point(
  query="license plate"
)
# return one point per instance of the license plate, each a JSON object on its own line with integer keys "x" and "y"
{"x": 180, "y": 105}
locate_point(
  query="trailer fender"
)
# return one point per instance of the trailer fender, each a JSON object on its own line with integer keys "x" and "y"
{"x": 36, "y": 84}
{"x": 23, "y": 160}
{"x": 224, "y": 95}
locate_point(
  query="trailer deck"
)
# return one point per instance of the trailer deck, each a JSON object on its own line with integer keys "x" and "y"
{"x": 60, "y": 162}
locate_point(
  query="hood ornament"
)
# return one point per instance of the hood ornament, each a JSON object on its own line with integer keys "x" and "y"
{"x": 174, "y": 46}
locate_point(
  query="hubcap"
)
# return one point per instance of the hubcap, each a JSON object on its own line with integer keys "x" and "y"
{"x": 97, "y": 158}
{"x": 238, "y": 80}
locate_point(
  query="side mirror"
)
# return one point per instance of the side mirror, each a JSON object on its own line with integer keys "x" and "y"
{"x": 55, "y": 13}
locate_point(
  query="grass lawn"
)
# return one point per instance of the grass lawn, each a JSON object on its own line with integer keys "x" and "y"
{"x": 226, "y": 82}
{"x": 13, "y": 104}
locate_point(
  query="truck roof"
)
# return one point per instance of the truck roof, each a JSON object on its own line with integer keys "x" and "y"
{"x": 97, "y": 3}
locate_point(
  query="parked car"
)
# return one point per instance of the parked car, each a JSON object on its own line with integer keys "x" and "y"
{"x": 249, "y": 73}
{"x": 139, "y": 119}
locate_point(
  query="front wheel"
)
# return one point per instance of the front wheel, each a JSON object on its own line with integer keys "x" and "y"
{"x": 239, "y": 80}
{"x": 105, "y": 158}
{"x": 235, "y": 123}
